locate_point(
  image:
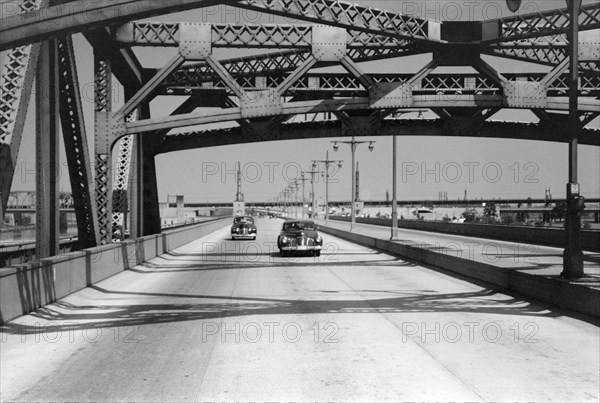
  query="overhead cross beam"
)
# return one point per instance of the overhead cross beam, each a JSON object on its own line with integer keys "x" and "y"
{"x": 264, "y": 36}
{"x": 388, "y": 127}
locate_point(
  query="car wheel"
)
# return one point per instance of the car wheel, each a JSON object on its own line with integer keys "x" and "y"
{"x": 318, "y": 253}
{"x": 233, "y": 238}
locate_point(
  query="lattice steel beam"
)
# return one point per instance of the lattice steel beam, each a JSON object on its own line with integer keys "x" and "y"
{"x": 434, "y": 83}
{"x": 349, "y": 16}
{"x": 121, "y": 184}
{"x": 103, "y": 107}
{"x": 271, "y": 64}
{"x": 77, "y": 16}
{"x": 76, "y": 144}
{"x": 247, "y": 36}
{"x": 538, "y": 24}
{"x": 80, "y": 15}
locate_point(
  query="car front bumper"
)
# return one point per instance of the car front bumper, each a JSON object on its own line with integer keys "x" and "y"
{"x": 243, "y": 236}
{"x": 300, "y": 247}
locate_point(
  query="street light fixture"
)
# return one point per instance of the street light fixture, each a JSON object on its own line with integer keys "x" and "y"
{"x": 353, "y": 144}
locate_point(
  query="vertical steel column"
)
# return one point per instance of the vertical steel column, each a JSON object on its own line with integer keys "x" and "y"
{"x": 573, "y": 255}
{"x": 47, "y": 158}
{"x": 16, "y": 80}
{"x": 394, "y": 236}
{"x": 103, "y": 107}
{"x": 150, "y": 209}
{"x": 136, "y": 172}
{"x": 121, "y": 191}
{"x": 76, "y": 146}
{"x": 125, "y": 191}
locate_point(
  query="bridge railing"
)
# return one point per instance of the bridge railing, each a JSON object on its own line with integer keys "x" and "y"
{"x": 27, "y": 287}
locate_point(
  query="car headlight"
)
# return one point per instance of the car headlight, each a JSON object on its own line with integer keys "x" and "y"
{"x": 318, "y": 239}
{"x": 284, "y": 239}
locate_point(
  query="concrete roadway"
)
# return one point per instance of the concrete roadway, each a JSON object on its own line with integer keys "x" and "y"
{"x": 224, "y": 320}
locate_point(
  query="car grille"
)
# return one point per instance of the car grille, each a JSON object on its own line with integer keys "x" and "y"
{"x": 304, "y": 241}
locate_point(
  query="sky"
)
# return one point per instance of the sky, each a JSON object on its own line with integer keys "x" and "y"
{"x": 485, "y": 168}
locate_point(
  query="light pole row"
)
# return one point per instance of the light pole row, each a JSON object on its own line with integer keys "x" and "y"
{"x": 353, "y": 145}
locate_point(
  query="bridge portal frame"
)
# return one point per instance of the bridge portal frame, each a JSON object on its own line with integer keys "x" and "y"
{"x": 343, "y": 40}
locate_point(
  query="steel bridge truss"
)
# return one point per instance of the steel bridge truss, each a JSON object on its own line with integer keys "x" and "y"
{"x": 263, "y": 92}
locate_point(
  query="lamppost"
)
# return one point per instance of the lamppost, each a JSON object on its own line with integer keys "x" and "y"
{"x": 312, "y": 173}
{"x": 353, "y": 144}
{"x": 303, "y": 179}
{"x": 327, "y": 162}
{"x": 394, "y": 236}
{"x": 294, "y": 187}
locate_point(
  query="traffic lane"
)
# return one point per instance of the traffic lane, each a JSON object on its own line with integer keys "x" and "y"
{"x": 125, "y": 315}
{"x": 219, "y": 249}
{"x": 183, "y": 329}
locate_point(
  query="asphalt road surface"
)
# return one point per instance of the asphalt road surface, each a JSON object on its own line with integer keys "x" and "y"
{"x": 223, "y": 320}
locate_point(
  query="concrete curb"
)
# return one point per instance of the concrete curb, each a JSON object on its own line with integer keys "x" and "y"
{"x": 555, "y": 291}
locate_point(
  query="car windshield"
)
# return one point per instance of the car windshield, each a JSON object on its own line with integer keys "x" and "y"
{"x": 243, "y": 220}
{"x": 298, "y": 225}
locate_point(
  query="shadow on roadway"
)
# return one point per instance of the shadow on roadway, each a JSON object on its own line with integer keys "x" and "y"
{"x": 211, "y": 307}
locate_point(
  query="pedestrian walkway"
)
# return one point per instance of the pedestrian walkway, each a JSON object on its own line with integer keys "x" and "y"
{"x": 498, "y": 262}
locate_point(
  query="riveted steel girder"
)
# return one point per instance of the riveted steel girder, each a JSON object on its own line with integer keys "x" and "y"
{"x": 76, "y": 16}
{"x": 16, "y": 82}
{"x": 550, "y": 50}
{"x": 402, "y": 127}
{"x": 125, "y": 64}
{"x": 76, "y": 144}
{"x": 349, "y": 16}
{"x": 586, "y": 104}
{"x": 47, "y": 152}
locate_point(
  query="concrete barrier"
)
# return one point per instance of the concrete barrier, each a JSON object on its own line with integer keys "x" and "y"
{"x": 557, "y": 291}
{"x": 27, "y": 287}
{"x": 543, "y": 236}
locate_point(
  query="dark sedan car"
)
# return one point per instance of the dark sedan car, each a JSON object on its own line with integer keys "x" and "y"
{"x": 243, "y": 228}
{"x": 299, "y": 236}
